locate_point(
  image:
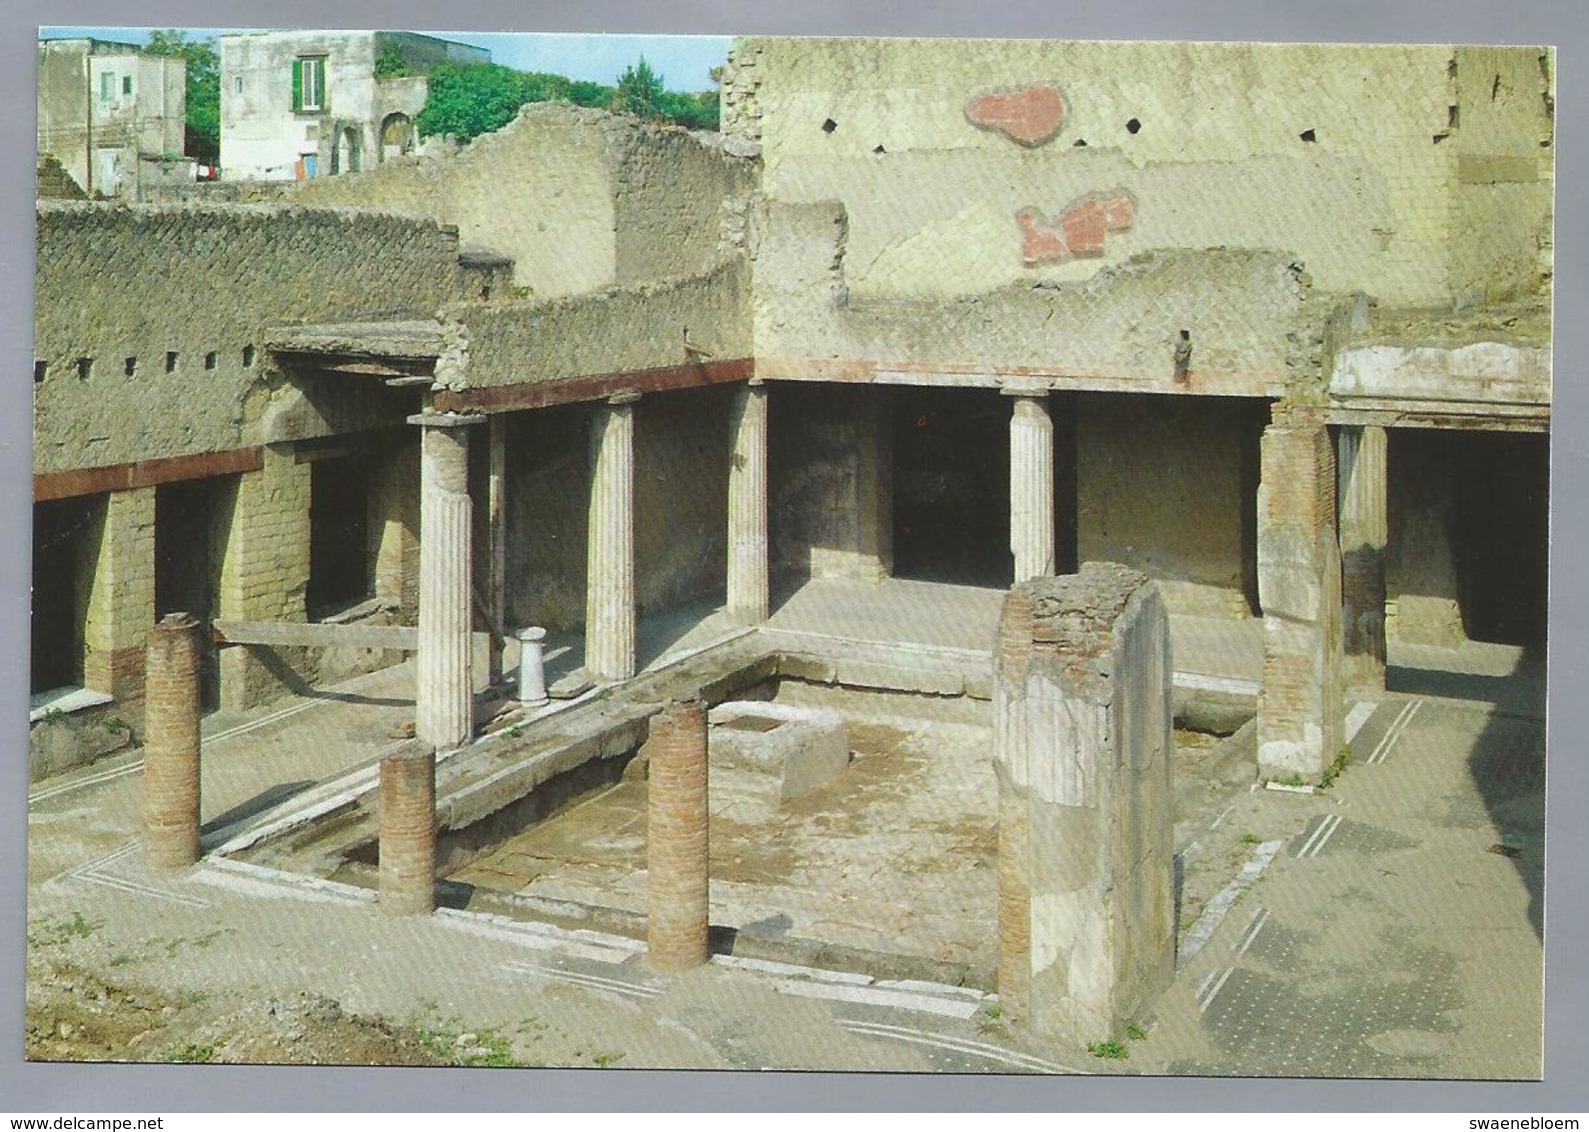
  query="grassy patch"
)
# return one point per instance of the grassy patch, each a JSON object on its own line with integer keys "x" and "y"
{"x": 194, "y": 1054}
{"x": 1109, "y": 1051}
{"x": 1134, "y": 1030}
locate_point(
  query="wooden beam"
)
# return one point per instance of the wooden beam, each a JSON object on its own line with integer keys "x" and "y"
{"x": 565, "y": 391}
{"x": 144, "y": 473}
{"x": 402, "y": 637}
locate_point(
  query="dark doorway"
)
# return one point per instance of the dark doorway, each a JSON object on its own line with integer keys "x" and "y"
{"x": 64, "y": 533}
{"x": 1500, "y": 534}
{"x": 339, "y": 560}
{"x": 952, "y": 486}
{"x": 188, "y": 552}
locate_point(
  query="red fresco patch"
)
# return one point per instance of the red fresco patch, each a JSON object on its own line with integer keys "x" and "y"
{"x": 1080, "y": 231}
{"x": 1029, "y": 116}
{"x": 1039, "y": 242}
{"x": 1083, "y": 226}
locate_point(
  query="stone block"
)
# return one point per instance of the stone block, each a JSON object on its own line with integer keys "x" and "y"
{"x": 800, "y": 749}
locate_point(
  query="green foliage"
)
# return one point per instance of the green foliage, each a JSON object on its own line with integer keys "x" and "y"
{"x": 1134, "y": 1030}
{"x": 640, "y": 91}
{"x": 467, "y": 100}
{"x": 390, "y": 64}
{"x": 1251, "y": 839}
{"x": 203, "y": 89}
{"x": 1335, "y": 769}
{"x": 194, "y": 1054}
{"x": 1110, "y": 1050}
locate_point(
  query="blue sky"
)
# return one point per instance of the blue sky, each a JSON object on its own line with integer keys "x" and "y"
{"x": 683, "y": 60}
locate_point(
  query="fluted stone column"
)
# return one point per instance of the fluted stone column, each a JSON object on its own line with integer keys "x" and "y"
{"x": 676, "y": 837}
{"x": 445, "y": 712}
{"x": 1031, "y": 484}
{"x": 747, "y": 508}
{"x": 610, "y": 587}
{"x": 171, "y": 743}
{"x": 1361, "y": 470}
{"x": 408, "y": 831}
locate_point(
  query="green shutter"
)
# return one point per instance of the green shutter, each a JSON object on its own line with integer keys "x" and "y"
{"x": 297, "y": 84}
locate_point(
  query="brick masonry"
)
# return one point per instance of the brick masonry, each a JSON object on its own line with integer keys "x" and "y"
{"x": 171, "y": 745}
{"x": 264, "y": 574}
{"x": 120, "y": 595}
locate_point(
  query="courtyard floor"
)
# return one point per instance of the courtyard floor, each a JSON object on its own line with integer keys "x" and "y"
{"x": 1390, "y": 926}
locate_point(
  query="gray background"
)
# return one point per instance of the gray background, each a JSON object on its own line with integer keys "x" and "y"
{"x": 132, "y": 1089}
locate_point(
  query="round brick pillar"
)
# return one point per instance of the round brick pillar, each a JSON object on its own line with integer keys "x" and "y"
{"x": 408, "y": 832}
{"x": 171, "y": 743}
{"x": 676, "y": 838}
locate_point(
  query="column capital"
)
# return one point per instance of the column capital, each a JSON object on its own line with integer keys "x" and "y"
{"x": 1024, "y": 389}
{"x": 447, "y": 420}
{"x": 628, "y": 397}
{"x": 755, "y": 382}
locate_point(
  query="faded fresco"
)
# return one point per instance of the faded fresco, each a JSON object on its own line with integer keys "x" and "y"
{"x": 918, "y": 555}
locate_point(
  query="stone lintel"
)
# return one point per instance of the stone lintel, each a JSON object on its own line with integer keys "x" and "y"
{"x": 447, "y": 420}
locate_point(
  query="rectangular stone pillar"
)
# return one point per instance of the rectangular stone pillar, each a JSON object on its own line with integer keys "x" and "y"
{"x": 1301, "y": 703}
{"x": 444, "y": 712}
{"x": 852, "y": 455}
{"x": 496, "y": 541}
{"x": 610, "y": 588}
{"x": 119, "y": 605}
{"x": 677, "y": 820}
{"x": 394, "y": 530}
{"x": 748, "y": 594}
{"x": 1031, "y": 483}
{"x": 1083, "y": 753}
{"x": 264, "y": 572}
{"x": 1361, "y": 471}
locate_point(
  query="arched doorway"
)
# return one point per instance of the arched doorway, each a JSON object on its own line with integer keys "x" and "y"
{"x": 397, "y": 136}
{"x": 345, "y": 157}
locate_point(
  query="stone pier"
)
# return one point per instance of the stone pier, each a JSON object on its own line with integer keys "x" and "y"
{"x": 171, "y": 744}
{"x": 1083, "y": 753}
{"x": 445, "y": 711}
{"x": 1301, "y": 703}
{"x": 408, "y": 831}
{"x": 747, "y": 507}
{"x": 610, "y": 586}
{"x": 497, "y": 543}
{"x": 1361, "y": 471}
{"x": 676, "y": 837}
{"x": 120, "y": 605}
{"x": 1031, "y": 483}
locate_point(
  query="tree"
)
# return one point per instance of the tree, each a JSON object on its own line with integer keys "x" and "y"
{"x": 203, "y": 140}
{"x": 640, "y": 91}
{"x": 470, "y": 100}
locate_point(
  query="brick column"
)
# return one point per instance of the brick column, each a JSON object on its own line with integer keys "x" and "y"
{"x": 171, "y": 744}
{"x": 1300, "y": 704}
{"x": 408, "y": 831}
{"x": 1031, "y": 483}
{"x": 444, "y": 717}
{"x": 747, "y": 507}
{"x": 119, "y": 610}
{"x": 610, "y": 588}
{"x": 676, "y": 837}
{"x": 264, "y": 572}
{"x": 1361, "y": 481}
{"x": 1083, "y": 754}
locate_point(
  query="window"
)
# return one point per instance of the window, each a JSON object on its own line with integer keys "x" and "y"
{"x": 126, "y": 84}
{"x": 237, "y": 85}
{"x": 309, "y": 83}
{"x": 107, "y": 86}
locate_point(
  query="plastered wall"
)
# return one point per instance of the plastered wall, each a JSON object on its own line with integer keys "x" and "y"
{"x": 199, "y": 282}
{"x": 579, "y": 199}
{"x": 1344, "y": 157}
